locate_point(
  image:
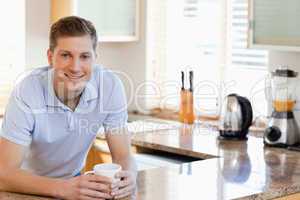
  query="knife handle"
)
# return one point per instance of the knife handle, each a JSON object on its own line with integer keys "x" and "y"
{"x": 182, "y": 80}
{"x": 191, "y": 81}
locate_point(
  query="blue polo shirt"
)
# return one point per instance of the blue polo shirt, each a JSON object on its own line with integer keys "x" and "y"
{"x": 57, "y": 138}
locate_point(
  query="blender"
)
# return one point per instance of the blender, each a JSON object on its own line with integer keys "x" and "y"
{"x": 282, "y": 129}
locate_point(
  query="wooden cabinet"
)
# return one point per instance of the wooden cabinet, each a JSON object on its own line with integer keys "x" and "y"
{"x": 290, "y": 197}
{"x": 61, "y": 8}
{"x": 115, "y": 20}
{"x": 99, "y": 153}
{"x": 274, "y": 24}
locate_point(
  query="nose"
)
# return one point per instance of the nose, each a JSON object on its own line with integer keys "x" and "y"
{"x": 74, "y": 67}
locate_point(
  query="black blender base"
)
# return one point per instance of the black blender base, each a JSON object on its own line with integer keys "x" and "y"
{"x": 232, "y": 138}
{"x": 233, "y": 135}
{"x": 279, "y": 145}
{"x": 295, "y": 147}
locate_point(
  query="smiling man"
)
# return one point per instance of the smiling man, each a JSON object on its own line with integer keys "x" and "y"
{"x": 53, "y": 117}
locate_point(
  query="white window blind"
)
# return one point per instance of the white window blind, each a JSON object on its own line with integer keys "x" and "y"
{"x": 240, "y": 55}
{"x": 190, "y": 8}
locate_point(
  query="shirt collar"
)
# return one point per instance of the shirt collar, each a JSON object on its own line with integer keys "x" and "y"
{"x": 89, "y": 93}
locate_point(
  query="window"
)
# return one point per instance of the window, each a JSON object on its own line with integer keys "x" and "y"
{"x": 210, "y": 38}
{"x": 12, "y": 49}
{"x": 246, "y": 68}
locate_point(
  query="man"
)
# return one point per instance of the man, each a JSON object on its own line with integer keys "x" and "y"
{"x": 53, "y": 117}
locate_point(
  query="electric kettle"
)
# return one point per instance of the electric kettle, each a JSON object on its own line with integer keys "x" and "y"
{"x": 236, "y": 118}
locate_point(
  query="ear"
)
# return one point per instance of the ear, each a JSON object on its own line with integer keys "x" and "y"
{"x": 49, "y": 56}
{"x": 95, "y": 54}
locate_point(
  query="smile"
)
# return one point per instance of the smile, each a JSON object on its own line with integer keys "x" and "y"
{"x": 73, "y": 76}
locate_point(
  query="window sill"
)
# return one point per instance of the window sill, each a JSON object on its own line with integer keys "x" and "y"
{"x": 172, "y": 115}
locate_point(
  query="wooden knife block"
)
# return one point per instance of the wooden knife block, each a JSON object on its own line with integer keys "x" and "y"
{"x": 186, "y": 109}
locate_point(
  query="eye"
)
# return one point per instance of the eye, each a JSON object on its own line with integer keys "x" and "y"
{"x": 85, "y": 57}
{"x": 65, "y": 55}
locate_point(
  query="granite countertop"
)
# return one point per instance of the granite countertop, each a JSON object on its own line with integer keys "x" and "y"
{"x": 230, "y": 169}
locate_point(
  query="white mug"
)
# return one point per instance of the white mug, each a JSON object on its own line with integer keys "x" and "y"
{"x": 106, "y": 169}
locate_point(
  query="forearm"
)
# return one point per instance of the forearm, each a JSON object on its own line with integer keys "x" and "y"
{"x": 127, "y": 163}
{"x": 120, "y": 148}
{"x": 128, "y": 177}
{"x": 17, "y": 180}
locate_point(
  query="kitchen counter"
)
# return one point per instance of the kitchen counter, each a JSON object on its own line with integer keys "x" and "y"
{"x": 230, "y": 169}
{"x": 15, "y": 196}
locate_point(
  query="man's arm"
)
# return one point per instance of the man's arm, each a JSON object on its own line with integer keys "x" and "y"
{"x": 120, "y": 148}
{"x": 14, "y": 179}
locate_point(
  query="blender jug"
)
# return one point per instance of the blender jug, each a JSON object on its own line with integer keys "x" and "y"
{"x": 283, "y": 90}
{"x": 282, "y": 129}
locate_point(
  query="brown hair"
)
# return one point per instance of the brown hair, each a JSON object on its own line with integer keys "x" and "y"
{"x": 72, "y": 26}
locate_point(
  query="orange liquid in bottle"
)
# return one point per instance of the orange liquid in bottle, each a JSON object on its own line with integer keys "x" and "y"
{"x": 283, "y": 106}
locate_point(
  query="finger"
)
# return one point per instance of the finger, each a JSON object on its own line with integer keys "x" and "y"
{"x": 97, "y": 186}
{"x": 114, "y": 190}
{"x": 99, "y": 178}
{"x": 94, "y": 194}
{"x": 123, "y": 191}
{"x": 123, "y": 174}
{"x": 126, "y": 194}
{"x": 115, "y": 185}
{"x": 125, "y": 182}
{"x": 90, "y": 198}
{"x": 88, "y": 174}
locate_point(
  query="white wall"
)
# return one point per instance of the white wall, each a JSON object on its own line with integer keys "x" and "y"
{"x": 279, "y": 58}
{"x": 37, "y": 28}
{"x": 128, "y": 58}
{"x": 12, "y": 46}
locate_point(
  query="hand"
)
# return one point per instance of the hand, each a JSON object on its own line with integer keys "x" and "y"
{"x": 86, "y": 187}
{"x": 126, "y": 186}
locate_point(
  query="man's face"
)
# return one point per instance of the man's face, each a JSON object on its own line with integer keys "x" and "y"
{"x": 72, "y": 60}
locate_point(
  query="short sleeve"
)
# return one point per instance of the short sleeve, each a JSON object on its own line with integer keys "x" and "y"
{"x": 116, "y": 108}
{"x": 18, "y": 122}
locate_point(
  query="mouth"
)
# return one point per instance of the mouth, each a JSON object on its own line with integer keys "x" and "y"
{"x": 73, "y": 77}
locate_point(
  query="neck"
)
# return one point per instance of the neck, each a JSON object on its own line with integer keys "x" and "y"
{"x": 70, "y": 99}
{"x": 72, "y": 103}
